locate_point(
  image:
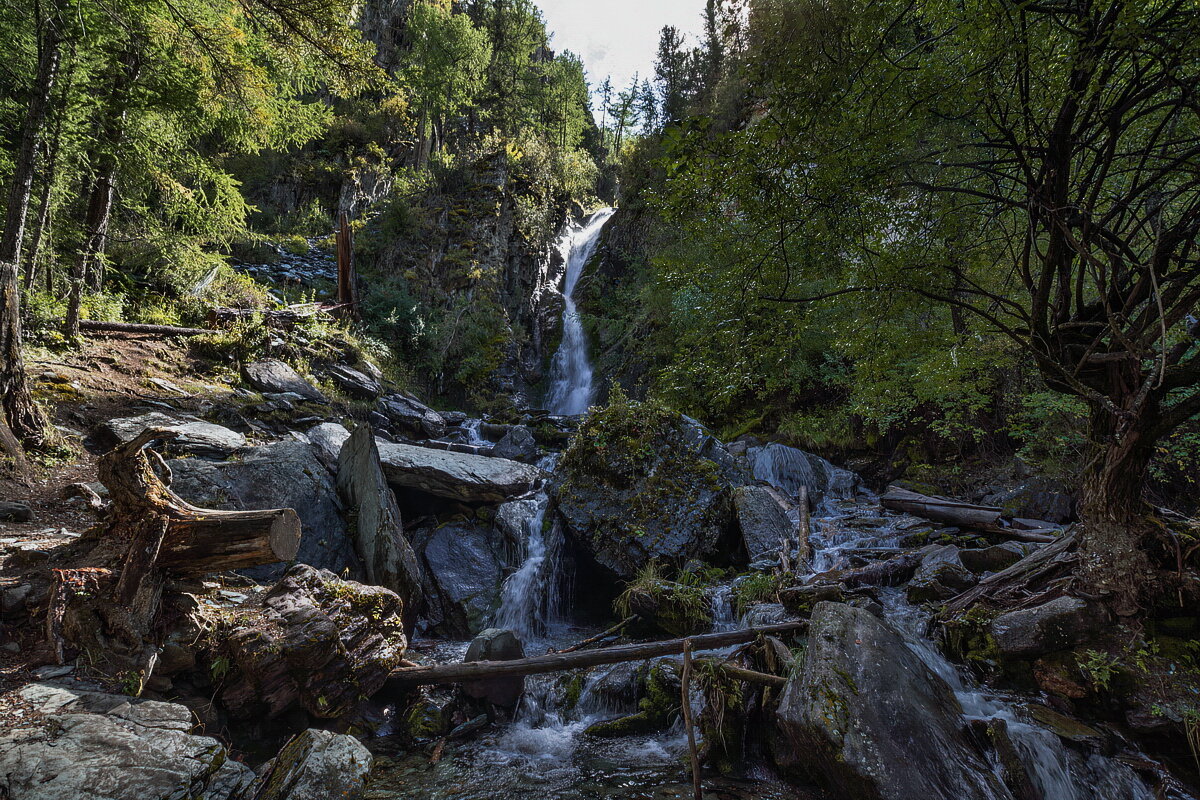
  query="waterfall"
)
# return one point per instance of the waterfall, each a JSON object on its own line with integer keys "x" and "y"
{"x": 529, "y": 599}
{"x": 571, "y": 372}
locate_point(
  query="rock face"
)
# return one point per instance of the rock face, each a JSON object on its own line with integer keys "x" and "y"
{"x": 463, "y": 577}
{"x": 868, "y": 719}
{"x": 940, "y": 575}
{"x": 788, "y": 469}
{"x": 284, "y": 474}
{"x": 112, "y": 747}
{"x": 459, "y": 476}
{"x": 631, "y": 489}
{"x": 378, "y": 532}
{"x": 317, "y": 765}
{"x": 763, "y": 521}
{"x": 495, "y": 644}
{"x": 276, "y": 377}
{"x": 1059, "y": 624}
{"x": 319, "y": 642}
{"x": 192, "y": 436}
{"x": 411, "y": 417}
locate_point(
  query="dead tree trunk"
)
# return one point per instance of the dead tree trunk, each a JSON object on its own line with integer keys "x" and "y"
{"x": 108, "y": 607}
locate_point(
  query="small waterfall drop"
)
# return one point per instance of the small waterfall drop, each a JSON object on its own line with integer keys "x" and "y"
{"x": 529, "y": 600}
{"x": 570, "y": 371}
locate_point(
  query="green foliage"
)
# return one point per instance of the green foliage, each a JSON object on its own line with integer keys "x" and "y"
{"x": 759, "y": 587}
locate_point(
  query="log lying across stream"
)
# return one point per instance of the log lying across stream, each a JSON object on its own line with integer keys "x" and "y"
{"x": 987, "y": 519}
{"x": 408, "y": 677}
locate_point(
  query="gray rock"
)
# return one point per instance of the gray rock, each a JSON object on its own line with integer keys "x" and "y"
{"x": 763, "y": 521}
{"x": 517, "y": 445}
{"x": 317, "y": 765}
{"x": 496, "y": 644}
{"x": 868, "y": 719}
{"x": 459, "y": 476}
{"x": 378, "y": 534}
{"x": 111, "y": 747}
{"x": 355, "y": 383}
{"x": 284, "y": 474}
{"x": 994, "y": 558}
{"x": 327, "y": 440}
{"x": 940, "y": 575}
{"x": 703, "y": 443}
{"x": 192, "y": 435}
{"x": 412, "y": 417}
{"x": 277, "y": 377}
{"x": 15, "y": 512}
{"x": 788, "y": 469}
{"x": 464, "y": 576}
{"x": 1036, "y": 498}
{"x": 1060, "y": 624}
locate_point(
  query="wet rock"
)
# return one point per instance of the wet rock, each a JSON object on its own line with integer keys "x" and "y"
{"x": 316, "y": 765}
{"x": 15, "y": 512}
{"x": 495, "y": 644}
{"x": 283, "y": 474}
{"x": 1060, "y": 624}
{"x": 940, "y": 575}
{"x": 1037, "y": 498}
{"x": 518, "y": 445}
{"x": 112, "y": 747}
{"x": 314, "y": 641}
{"x": 463, "y": 577}
{"x": 763, "y": 521}
{"x": 327, "y": 440}
{"x": 355, "y": 383}
{"x": 701, "y": 441}
{"x": 994, "y": 558}
{"x": 378, "y": 533}
{"x": 789, "y": 469}
{"x": 408, "y": 415}
{"x": 459, "y": 476}
{"x": 192, "y": 436}
{"x": 277, "y": 377}
{"x": 866, "y": 718}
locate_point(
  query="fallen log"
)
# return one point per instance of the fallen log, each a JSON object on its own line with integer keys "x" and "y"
{"x": 96, "y": 326}
{"x": 284, "y": 318}
{"x": 752, "y": 676}
{"x": 941, "y": 509}
{"x": 402, "y": 679}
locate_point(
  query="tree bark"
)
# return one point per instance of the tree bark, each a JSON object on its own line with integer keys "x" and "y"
{"x": 21, "y": 414}
{"x": 42, "y": 225}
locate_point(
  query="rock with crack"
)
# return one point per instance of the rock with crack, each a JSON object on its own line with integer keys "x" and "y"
{"x": 276, "y": 377}
{"x": 316, "y": 765}
{"x": 91, "y": 744}
{"x": 316, "y": 642}
{"x": 764, "y": 522}
{"x": 192, "y": 436}
{"x": 867, "y": 719}
{"x": 458, "y": 476}
{"x": 378, "y": 532}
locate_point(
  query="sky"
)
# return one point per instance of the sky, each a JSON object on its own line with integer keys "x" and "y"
{"x": 617, "y": 37}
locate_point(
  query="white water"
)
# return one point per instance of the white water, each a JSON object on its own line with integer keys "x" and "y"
{"x": 529, "y": 601}
{"x": 570, "y": 371}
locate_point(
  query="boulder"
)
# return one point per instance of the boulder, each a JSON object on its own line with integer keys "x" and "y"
{"x": 763, "y": 521}
{"x": 313, "y": 641}
{"x": 378, "y": 533}
{"x": 495, "y": 644}
{"x": 789, "y": 469}
{"x": 327, "y": 440}
{"x": 317, "y": 765}
{"x": 283, "y": 474}
{"x": 702, "y": 442}
{"x": 412, "y": 417}
{"x": 994, "y": 558}
{"x": 464, "y": 576}
{"x": 355, "y": 383}
{"x": 940, "y": 575}
{"x": 275, "y": 377}
{"x": 15, "y": 512}
{"x": 459, "y": 476}
{"x": 1059, "y": 624}
{"x": 1036, "y": 498}
{"x": 517, "y": 445}
{"x": 192, "y": 436}
{"x": 867, "y": 719}
{"x": 631, "y": 490}
{"x": 90, "y": 744}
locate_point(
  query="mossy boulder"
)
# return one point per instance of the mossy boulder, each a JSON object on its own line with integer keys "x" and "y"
{"x": 632, "y": 489}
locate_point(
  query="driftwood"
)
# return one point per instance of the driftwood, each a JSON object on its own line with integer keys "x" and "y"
{"x": 108, "y": 602}
{"x": 1038, "y": 577}
{"x": 437, "y": 674}
{"x": 96, "y": 326}
{"x": 987, "y": 519}
{"x": 284, "y": 318}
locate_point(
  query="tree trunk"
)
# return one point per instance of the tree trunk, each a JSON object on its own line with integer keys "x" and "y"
{"x": 41, "y": 229}
{"x": 22, "y": 415}
{"x": 1116, "y": 529}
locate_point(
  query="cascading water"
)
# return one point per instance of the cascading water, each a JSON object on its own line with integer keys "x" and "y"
{"x": 529, "y": 601}
{"x": 571, "y": 371}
